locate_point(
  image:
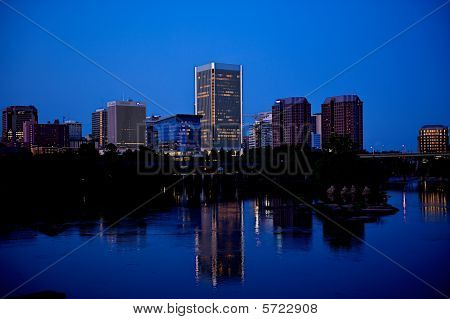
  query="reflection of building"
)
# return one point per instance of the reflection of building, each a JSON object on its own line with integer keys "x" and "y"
{"x": 260, "y": 132}
{"x": 434, "y": 201}
{"x": 126, "y": 124}
{"x": 343, "y": 116}
{"x": 75, "y": 133}
{"x": 291, "y": 118}
{"x": 220, "y": 243}
{"x": 218, "y": 98}
{"x": 178, "y": 134}
{"x": 292, "y": 228}
{"x": 316, "y": 131}
{"x": 151, "y": 136}
{"x": 13, "y": 118}
{"x": 433, "y": 139}
{"x": 100, "y": 127}
{"x": 46, "y": 138}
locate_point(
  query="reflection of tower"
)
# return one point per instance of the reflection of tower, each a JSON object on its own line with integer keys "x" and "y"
{"x": 220, "y": 242}
{"x": 404, "y": 205}
{"x": 292, "y": 228}
{"x": 342, "y": 236}
{"x": 433, "y": 202}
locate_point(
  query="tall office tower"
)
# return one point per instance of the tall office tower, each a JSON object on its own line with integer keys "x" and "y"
{"x": 13, "y": 118}
{"x": 74, "y": 130}
{"x": 316, "y": 131}
{"x": 151, "y": 135}
{"x": 100, "y": 127}
{"x": 218, "y": 98}
{"x": 433, "y": 139}
{"x": 291, "y": 118}
{"x": 343, "y": 116}
{"x": 260, "y": 132}
{"x": 126, "y": 124}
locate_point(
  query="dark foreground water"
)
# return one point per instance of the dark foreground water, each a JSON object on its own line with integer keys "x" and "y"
{"x": 253, "y": 248}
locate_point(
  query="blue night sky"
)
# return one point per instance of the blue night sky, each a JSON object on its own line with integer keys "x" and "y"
{"x": 287, "y": 48}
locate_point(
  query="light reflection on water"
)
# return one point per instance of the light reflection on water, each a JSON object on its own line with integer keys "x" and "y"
{"x": 262, "y": 247}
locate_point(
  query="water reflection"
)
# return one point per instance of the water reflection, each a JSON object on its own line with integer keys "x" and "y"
{"x": 291, "y": 227}
{"x": 128, "y": 234}
{"x": 433, "y": 202}
{"x": 219, "y": 242}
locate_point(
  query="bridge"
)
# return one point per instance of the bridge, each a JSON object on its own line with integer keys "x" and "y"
{"x": 403, "y": 155}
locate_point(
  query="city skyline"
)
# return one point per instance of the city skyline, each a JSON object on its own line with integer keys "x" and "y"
{"x": 386, "y": 81}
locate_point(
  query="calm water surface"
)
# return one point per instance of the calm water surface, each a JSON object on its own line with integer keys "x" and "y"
{"x": 252, "y": 248}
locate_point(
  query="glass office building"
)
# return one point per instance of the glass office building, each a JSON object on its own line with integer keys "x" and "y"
{"x": 178, "y": 134}
{"x": 218, "y": 99}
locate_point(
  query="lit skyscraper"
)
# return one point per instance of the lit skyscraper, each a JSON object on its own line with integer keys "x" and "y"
{"x": 218, "y": 98}
{"x": 260, "y": 132}
{"x": 100, "y": 127}
{"x": 126, "y": 124}
{"x": 13, "y": 118}
{"x": 291, "y": 118}
{"x": 343, "y": 116}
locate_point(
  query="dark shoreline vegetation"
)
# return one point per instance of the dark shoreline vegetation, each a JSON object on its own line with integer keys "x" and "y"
{"x": 85, "y": 185}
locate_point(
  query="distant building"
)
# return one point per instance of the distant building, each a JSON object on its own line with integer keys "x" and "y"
{"x": 74, "y": 133}
{"x": 126, "y": 124}
{"x": 245, "y": 142}
{"x": 291, "y": 118}
{"x": 218, "y": 99}
{"x": 179, "y": 134}
{"x": 343, "y": 116}
{"x": 260, "y": 132}
{"x": 13, "y": 118}
{"x": 433, "y": 139}
{"x": 316, "y": 131}
{"x": 46, "y": 138}
{"x": 151, "y": 136}
{"x": 100, "y": 128}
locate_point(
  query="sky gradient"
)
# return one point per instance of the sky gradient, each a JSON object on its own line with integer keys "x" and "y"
{"x": 287, "y": 48}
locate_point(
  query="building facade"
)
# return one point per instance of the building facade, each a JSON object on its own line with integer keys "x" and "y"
{"x": 343, "y": 116}
{"x": 260, "y": 132}
{"x": 316, "y": 131}
{"x": 74, "y": 131}
{"x": 151, "y": 136}
{"x": 46, "y": 138}
{"x": 100, "y": 128}
{"x": 179, "y": 134}
{"x": 13, "y": 119}
{"x": 126, "y": 124}
{"x": 218, "y": 99}
{"x": 291, "y": 118}
{"x": 433, "y": 139}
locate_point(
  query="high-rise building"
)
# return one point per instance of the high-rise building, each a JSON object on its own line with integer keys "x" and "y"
{"x": 291, "y": 118}
{"x": 433, "y": 139}
{"x": 260, "y": 132}
{"x": 343, "y": 116}
{"x": 316, "y": 131}
{"x": 44, "y": 138}
{"x": 74, "y": 129}
{"x": 100, "y": 127}
{"x": 13, "y": 118}
{"x": 218, "y": 98}
{"x": 151, "y": 136}
{"x": 178, "y": 134}
{"x": 126, "y": 124}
